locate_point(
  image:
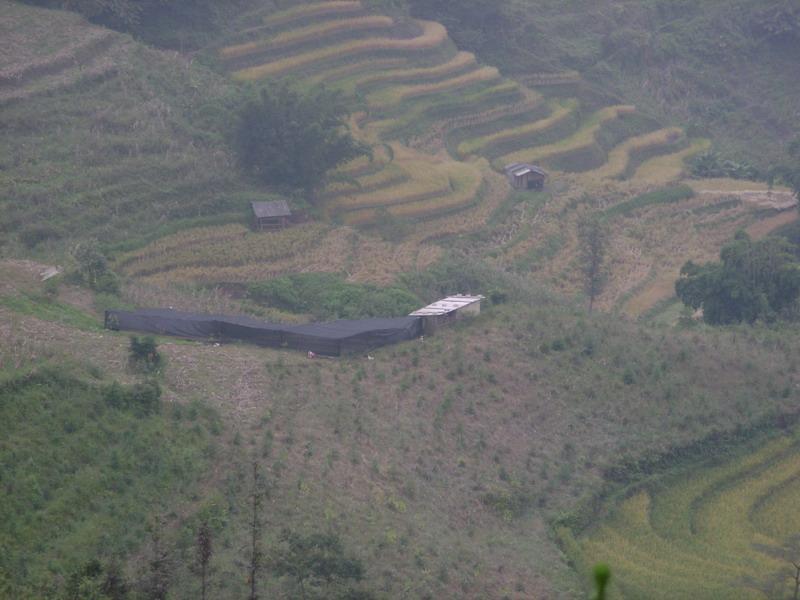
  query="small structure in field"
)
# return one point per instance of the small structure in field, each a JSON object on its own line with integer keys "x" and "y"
{"x": 447, "y": 310}
{"x": 271, "y": 215}
{"x": 523, "y": 176}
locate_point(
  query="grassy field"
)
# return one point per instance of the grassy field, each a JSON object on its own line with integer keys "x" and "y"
{"x": 715, "y": 531}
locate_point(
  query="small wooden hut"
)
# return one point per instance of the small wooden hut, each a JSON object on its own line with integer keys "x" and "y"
{"x": 523, "y": 176}
{"x": 271, "y": 215}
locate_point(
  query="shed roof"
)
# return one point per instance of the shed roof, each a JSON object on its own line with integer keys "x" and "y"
{"x": 519, "y": 169}
{"x": 446, "y": 305}
{"x": 268, "y": 210}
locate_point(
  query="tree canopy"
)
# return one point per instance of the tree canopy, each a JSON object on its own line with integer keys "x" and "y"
{"x": 753, "y": 281}
{"x": 290, "y": 139}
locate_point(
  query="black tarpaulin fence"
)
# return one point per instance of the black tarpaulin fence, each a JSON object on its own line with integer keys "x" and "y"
{"x": 330, "y": 339}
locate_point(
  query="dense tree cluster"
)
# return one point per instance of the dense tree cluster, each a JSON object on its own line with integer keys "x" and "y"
{"x": 290, "y": 139}
{"x": 753, "y": 281}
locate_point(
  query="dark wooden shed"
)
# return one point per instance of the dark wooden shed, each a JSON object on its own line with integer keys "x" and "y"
{"x": 523, "y": 176}
{"x": 271, "y": 215}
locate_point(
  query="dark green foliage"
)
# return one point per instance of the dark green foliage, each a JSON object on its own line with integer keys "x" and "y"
{"x": 328, "y": 296}
{"x": 93, "y": 270}
{"x": 95, "y": 581}
{"x": 602, "y": 575}
{"x": 78, "y": 479}
{"x": 290, "y": 139}
{"x": 143, "y": 399}
{"x": 593, "y": 241}
{"x": 753, "y": 281}
{"x": 143, "y": 355}
{"x": 711, "y": 164}
{"x": 166, "y": 22}
{"x": 669, "y": 195}
{"x": 318, "y": 565}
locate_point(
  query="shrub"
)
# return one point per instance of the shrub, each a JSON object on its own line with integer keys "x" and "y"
{"x": 143, "y": 355}
{"x": 328, "y": 296}
{"x": 142, "y": 398}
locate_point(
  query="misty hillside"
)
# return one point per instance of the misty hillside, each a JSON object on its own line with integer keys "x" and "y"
{"x": 618, "y": 180}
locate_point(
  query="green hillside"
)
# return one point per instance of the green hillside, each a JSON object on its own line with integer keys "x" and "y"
{"x": 439, "y": 463}
{"x": 500, "y": 457}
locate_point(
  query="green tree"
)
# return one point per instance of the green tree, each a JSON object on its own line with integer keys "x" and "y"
{"x": 593, "y": 240}
{"x": 292, "y": 140}
{"x": 753, "y": 281}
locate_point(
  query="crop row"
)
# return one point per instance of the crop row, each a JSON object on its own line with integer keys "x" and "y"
{"x": 339, "y": 250}
{"x": 84, "y": 48}
{"x": 560, "y": 111}
{"x": 700, "y": 535}
{"x": 234, "y": 245}
{"x": 463, "y": 190}
{"x": 460, "y": 61}
{"x": 416, "y": 118}
{"x": 579, "y": 140}
{"x": 670, "y": 167}
{"x": 395, "y": 95}
{"x": 390, "y": 175}
{"x": 359, "y": 69}
{"x": 305, "y": 34}
{"x": 620, "y": 157}
{"x": 433, "y": 35}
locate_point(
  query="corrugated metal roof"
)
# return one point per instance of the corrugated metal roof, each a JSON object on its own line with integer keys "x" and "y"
{"x": 446, "y": 305}
{"x": 268, "y": 210}
{"x": 519, "y": 169}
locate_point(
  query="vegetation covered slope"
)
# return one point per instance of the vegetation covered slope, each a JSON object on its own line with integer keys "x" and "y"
{"x": 441, "y": 462}
{"x": 104, "y": 137}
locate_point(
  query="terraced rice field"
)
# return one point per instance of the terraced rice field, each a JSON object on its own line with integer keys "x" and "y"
{"x": 234, "y": 254}
{"x": 581, "y": 139}
{"x": 621, "y": 157}
{"x": 714, "y": 532}
{"x": 559, "y": 111}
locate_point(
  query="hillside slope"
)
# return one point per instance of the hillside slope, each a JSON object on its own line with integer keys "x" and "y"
{"x": 441, "y": 462}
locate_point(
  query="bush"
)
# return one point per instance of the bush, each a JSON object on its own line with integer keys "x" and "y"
{"x": 143, "y": 355}
{"x": 142, "y": 398}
